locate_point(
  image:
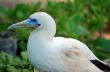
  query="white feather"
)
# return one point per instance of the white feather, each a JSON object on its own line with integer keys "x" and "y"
{"x": 57, "y": 54}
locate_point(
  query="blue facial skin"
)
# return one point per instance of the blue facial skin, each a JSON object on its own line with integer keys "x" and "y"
{"x": 33, "y": 22}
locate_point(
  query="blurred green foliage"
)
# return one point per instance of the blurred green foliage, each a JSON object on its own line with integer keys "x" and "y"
{"x": 78, "y": 19}
{"x": 8, "y": 63}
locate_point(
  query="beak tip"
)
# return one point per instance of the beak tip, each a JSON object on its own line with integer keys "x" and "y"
{"x": 9, "y": 27}
{"x": 12, "y": 26}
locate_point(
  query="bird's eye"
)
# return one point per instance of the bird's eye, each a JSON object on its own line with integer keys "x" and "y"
{"x": 33, "y": 20}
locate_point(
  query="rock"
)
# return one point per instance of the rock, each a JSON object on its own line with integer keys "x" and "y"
{"x": 8, "y": 43}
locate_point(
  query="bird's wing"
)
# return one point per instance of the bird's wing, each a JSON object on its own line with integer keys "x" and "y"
{"x": 73, "y": 44}
{"x": 74, "y": 57}
{"x": 78, "y": 62}
{"x": 78, "y": 52}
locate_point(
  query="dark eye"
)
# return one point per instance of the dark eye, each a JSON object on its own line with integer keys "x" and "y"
{"x": 33, "y": 20}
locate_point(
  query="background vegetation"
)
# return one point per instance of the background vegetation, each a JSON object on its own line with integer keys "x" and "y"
{"x": 79, "y": 19}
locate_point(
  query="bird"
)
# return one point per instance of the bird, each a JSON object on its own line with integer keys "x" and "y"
{"x": 48, "y": 53}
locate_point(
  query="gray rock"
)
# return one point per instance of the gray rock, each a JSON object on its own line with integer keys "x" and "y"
{"x": 8, "y": 43}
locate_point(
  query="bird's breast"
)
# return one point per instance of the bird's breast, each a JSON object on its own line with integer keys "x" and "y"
{"x": 45, "y": 57}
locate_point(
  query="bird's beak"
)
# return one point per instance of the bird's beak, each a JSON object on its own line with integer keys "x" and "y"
{"x": 20, "y": 25}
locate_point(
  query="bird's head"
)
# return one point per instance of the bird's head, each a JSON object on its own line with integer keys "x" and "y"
{"x": 38, "y": 20}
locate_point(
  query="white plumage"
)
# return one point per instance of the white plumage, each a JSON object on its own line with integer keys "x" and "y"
{"x": 55, "y": 54}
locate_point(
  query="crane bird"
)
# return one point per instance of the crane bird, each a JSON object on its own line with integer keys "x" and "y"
{"x": 57, "y": 54}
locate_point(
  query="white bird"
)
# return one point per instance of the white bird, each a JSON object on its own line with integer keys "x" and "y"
{"x": 56, "y": 54}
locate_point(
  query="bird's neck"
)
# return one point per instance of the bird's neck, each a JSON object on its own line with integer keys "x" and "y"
{"x": 42, "y": 35}
{"x": 39, "y": 40}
